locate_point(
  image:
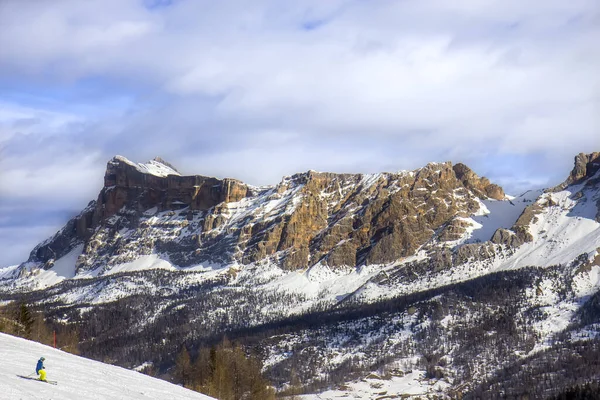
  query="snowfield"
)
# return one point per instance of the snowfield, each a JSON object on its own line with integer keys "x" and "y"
{"x": 78, "y": 378}
{"x": 376, "y": 387}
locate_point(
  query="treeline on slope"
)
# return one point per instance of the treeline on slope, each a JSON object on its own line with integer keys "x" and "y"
{"x": 490, "y": 334}
{"x": 224, "y": 371}
{"x": 572, "y": 361}
{"x": 545, "y": 374}
{"x": 18, "y": 319}
{"x": 157, "y": 326}
{"x": 589, "y": 391}
{"x": 187, "y": 321}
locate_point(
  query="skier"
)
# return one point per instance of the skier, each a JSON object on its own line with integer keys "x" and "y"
{"x": 40, "y": 370}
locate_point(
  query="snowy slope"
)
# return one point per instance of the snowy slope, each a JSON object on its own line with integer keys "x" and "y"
{"x": 564, "y": 230}
{"x": 152, "y": 167}
{"x": 375, "y": 387}
{"x": 554, "y": 271}
{"x": 496, "y": 214}
{"x": 78, "y": 378}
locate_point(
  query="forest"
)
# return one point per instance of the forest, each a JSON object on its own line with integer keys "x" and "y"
{"x": 470, "y": 334}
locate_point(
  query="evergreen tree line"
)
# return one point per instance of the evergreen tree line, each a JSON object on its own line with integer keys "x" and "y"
{"x": 224, "y": 371}
{"x": 19, "y": 320}
{"x": 486, "y": 341}
{"x": 589, "y": 391}
{"x": 567, "y": 364}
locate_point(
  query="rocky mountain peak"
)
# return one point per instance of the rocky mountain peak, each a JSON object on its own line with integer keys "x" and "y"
{"x": 481, "y": 186}
{"x": 158, "y": 184}
{"x": 586, "y": 166}
{"x": 432, "y": 280}
{"x": 310, "y": 217}
{"x": 156, "y": 167}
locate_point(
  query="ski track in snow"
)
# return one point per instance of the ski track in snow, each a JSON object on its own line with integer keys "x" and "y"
{"x": 78, "y": 378}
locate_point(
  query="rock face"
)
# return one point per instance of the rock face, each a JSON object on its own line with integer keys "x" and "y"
{"x": 586, "y": 165}
{"x": 336, "y": 219}
{"x": 480, "y": 186}
{"x": 125, "y": 184}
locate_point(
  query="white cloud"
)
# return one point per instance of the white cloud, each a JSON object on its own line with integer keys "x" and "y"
{"x": 464, "y": 70}
{"x": 262, "y": 89}
{"x": 21, "y": 120}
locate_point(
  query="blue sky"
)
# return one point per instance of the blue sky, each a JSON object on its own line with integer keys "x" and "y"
{"x": 258, "y": 90}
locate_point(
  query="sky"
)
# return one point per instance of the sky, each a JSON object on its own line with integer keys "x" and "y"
{"x": 263, "y": 89}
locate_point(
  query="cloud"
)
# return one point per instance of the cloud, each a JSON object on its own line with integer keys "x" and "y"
{"x": 264, "y": 89}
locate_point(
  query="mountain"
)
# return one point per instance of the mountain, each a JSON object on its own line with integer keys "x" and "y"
{"x": 334, "y": 220}
{"x": 329, "y": 277}
{"x": 78, "y": 378}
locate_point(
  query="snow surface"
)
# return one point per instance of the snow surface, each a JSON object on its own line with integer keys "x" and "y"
{"x": 78, "y": 378}
{"x": 562, "y": 232}
{"x": 564, "y": 228}
{"x": 143, "y": 263}
{"x": 375, "y": 387}
{"x": 152, "y": 167}
{"x": 7, "y": 272}
{"x": 63, "y": 268}
{"x": 497, "y": 214}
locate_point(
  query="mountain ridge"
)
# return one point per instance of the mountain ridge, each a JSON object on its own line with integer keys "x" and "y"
{"x": 414, "y": 270}
{"x": 128, "y": 183}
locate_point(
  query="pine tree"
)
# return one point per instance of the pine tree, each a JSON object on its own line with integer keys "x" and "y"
{"x": 201, "y": 370}
{"x": 67, "y": 339}
{"x": 40, "y": 331}
{"x": 25, "y": 321}
{"x": 239, "y": 374}
{"x": 183, "y": 367}
{"x": 259, "y": 386}
{"x": 295, "y": 387}
{"x": 227, "y": 373}
{"x": 220, "y": 384}
{"x": 8, "y": 323}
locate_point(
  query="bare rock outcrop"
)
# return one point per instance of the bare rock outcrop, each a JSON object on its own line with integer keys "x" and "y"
{"x": 337, "y": 219}
{"x": 126, "y": 184}
{"x": 586, "y": 166}
{"x": 481, "y": 186}
{"x": 513, "y": 238}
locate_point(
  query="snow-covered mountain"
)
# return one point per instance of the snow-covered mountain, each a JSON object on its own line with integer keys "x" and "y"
{"x": 78, "y": 378}
{"x": 338, "y": 220}
{"x": 332, "y": 275}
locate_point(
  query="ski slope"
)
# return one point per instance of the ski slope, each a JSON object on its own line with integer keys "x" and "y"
{"x": 78, "y": 378}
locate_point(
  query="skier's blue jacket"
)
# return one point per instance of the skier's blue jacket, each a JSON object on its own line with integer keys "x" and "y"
{"x": 40, "y": 365}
